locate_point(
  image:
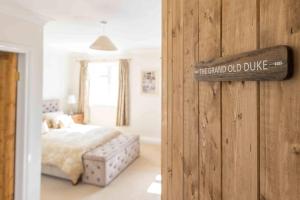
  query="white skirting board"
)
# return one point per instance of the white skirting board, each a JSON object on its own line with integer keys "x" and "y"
{"x": 150, "y": 140}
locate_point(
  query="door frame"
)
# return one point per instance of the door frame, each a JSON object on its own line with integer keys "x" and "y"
{"x": 22, "y": 158}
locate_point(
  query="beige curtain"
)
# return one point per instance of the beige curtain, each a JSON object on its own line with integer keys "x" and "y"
{"x": 123, "y": 98}
{"x": 83, "y": 103}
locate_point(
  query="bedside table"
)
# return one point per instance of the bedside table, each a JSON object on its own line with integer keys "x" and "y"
{"x": 78, "y": 118}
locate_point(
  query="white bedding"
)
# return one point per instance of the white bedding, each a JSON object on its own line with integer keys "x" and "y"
{"x": 63, "y": 148}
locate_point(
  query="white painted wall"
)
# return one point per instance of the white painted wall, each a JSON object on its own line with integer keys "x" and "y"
{"x": 15, "y": 30}
{"x": 57, "y": 75}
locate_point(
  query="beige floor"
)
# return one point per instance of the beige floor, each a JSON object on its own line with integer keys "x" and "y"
{"x": 132, "y": 184}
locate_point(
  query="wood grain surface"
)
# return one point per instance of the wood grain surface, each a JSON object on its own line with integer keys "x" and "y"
{"x": 210, "y": 103}
{"x": 190, "y": 95}
{"x": 239, "y": 106}
{"x": 229, "y": 140}
{"x": 8, "y": 87}
{"x": 177, "y": 100}
{"x": 280, "y": 106}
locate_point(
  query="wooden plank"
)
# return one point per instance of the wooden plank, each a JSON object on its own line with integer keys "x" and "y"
{"x": 239, "y": 106}
{"x": 11, "y": 128}
{"x": 190, "y": 57}
{"x": 164, "y": 126}
{"x": 170, "y": 99}
{"x": 3, "y": 91}
{"x": 166, "y": 94}
{"x": 177, "y": 101}
{"x": 264, "y": 64}
{"x": 8, "y": 69}
{"x": 209, "y": 104}
{"x": 280, "y": 106}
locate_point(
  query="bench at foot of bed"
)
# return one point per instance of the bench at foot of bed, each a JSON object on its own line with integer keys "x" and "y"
{"x": 106, "y": 162}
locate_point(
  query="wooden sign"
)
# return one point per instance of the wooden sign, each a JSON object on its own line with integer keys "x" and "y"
{"x": 264, "y": 64}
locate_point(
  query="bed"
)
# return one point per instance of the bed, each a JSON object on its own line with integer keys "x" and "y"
{"x": 63, "y": 149}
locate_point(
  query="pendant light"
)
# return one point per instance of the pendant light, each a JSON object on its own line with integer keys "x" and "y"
{"x": 103, "y": 42}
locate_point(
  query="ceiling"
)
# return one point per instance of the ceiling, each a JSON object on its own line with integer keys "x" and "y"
{"x": 74, "y": 24}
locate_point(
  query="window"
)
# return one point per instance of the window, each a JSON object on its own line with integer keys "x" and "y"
{"x": 104, "y": 82}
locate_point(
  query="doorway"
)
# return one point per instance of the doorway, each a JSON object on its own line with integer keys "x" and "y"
{"x": 14, "y": 165}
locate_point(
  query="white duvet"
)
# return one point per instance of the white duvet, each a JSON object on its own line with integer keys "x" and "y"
{"x": 63, "y": 148}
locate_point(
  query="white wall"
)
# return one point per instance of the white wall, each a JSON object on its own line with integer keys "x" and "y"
{"x": 29, "y": 35}
{"x": 57, "y": 75}
{"x": 145, "y": 110}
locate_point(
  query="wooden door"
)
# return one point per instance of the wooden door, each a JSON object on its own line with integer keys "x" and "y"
{"x": 8, "y": 92}
{"x": 231, "y": 140}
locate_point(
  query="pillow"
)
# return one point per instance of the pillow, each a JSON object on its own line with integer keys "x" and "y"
{"x": 45, "y": 128}
{"x": 65, "y": 121}
{"x": 51, "y": 118}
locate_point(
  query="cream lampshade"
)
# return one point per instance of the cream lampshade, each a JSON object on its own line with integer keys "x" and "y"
{"x": 103, "y": 42}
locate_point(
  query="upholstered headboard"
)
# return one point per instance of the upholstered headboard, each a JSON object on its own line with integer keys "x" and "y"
{"x": 52, "y": 105}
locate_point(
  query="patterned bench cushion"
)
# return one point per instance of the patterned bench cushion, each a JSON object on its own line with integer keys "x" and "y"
{"x": 104, "y": 163}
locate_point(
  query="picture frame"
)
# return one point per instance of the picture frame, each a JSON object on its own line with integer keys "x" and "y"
{"x": 149, "y": 82}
